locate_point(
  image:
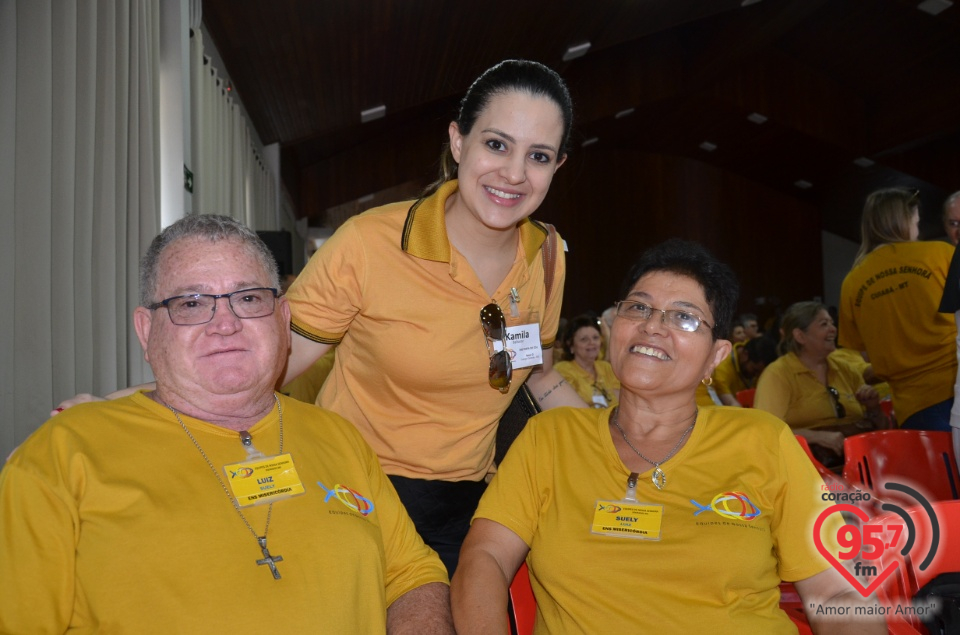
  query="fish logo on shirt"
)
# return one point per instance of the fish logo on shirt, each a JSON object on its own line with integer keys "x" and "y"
{"x": 349, "y": 497}
{"x": 735, "y": 505}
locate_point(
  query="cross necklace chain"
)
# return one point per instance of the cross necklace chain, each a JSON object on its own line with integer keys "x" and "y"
{"x": 659, "y": 477}
{"x": 268, "y": 559}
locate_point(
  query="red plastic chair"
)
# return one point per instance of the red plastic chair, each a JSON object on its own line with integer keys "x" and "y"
{"x": 745, "y": 397}
{"x": 522, "y": 606}
{"x": 920, "y": 458}
{"x": 913, "y": 570}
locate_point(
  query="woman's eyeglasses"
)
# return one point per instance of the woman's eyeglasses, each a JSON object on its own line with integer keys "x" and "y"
{"x": 837, "y": 406}
{"x": 495, "y": 329}
{"x": 680, "y": 320}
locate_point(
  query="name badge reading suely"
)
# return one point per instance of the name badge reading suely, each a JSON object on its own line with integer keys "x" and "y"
{"x": 264, "y": 480}
{"x": 624, "y": 519}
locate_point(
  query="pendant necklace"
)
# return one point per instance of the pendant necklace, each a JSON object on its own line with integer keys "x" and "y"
{"x": 659, "y": 477}
{"x": 247, "y": 441}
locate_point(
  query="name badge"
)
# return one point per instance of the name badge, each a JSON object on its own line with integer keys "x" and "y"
{"x": 623, "y": 519}
{"x": 263, "y": 480}
{"x": 523, "y": 344}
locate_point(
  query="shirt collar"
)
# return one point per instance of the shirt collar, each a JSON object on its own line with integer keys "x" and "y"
{"x": 425, "y": 232}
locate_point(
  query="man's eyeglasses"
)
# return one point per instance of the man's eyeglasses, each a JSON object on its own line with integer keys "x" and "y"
{"x": 199, "y": 308}
{"x": 676, "y": 319}
{"x": 494, "y": 329}
{"x": 837, "y": 406}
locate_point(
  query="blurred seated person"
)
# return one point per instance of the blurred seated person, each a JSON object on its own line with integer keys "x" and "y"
{"x": 951, "y": 217}
{"x": 740, "y": 370}
{"x": 737, "y": 334}
{"x": 592, "y": 378}
{"x": 209, "y": 504}
{"x": 751, "y": 327}
{"x": 621, "y": 513}
{"x": 822, "y": 398}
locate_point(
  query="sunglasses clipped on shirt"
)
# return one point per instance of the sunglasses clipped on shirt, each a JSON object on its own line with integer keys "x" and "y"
{"x": 495, "y": 329}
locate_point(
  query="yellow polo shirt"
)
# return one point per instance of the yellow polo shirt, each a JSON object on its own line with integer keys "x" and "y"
{"x": 888, "y": 308}
{"x": 412, "y": 361}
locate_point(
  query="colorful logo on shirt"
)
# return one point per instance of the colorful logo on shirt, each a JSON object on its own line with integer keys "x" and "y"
{"x": 730, "y": 505}
{"x": 350, "y": 498}
{"x": 243, "y": 472}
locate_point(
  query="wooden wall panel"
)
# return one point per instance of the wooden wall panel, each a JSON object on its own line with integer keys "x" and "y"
{"x": 611, "y": 204}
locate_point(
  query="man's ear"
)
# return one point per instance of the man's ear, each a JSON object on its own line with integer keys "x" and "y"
{"x": 142, "y": 323}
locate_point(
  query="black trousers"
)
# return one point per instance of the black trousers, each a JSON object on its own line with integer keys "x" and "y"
{"x": 441, "y": 512}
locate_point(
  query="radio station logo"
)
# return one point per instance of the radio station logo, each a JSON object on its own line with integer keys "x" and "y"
{"x": 865, "y": 557}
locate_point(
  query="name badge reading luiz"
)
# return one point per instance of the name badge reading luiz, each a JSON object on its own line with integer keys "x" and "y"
{"x": 523, "y": 344}
{"x": 264, "y": 480}
{"x": 624, "y": 519}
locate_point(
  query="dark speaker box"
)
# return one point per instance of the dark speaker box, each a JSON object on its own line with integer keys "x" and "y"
{"x": 281, "y": 246}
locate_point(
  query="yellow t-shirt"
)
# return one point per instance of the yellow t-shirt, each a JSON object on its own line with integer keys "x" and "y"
{"x": 113, "y": 521}
{"x": 600, "y": 392}
{"x": 888, "y": 308}
{"x": 790, "y": 391}
{"x": 412, "y": 362}
{"x": 739, "y": 506}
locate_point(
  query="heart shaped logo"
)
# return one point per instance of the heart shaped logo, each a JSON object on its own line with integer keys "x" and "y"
{"x": 818, "y": 541}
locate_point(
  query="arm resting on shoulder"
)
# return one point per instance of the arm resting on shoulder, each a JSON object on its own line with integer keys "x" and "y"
{"x": 829, "y": 588}
{"x": 424, "y": 610}
{"x": 550, "y": 389}
{"x": 489, "y": 559}
{"x": 303, "y": 353}
{"x": 87, "y": 397}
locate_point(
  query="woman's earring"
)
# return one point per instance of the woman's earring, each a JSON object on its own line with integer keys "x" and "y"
{"x": 707, "y": 381}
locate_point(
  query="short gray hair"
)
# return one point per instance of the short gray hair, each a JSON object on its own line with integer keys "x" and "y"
{"x": 205, "y": 227}
{"x": 953, "y": 198}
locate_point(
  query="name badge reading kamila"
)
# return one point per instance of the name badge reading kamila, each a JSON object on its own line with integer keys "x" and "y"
{"x": 523, "y": 343}
{"x": 623, "y": 519}
{"x": 264, "y": 480}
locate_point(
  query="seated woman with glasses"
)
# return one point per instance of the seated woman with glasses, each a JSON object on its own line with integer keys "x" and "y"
{"x": 655, "y": 513}
{"x": 888, "y": 308}
{"x": 822, "y": 397}
{"x": 592, "y": 378}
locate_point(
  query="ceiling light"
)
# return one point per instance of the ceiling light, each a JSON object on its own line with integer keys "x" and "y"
{"x": 377, "y": 112}
{"x": 863, "y": 162}
{"x": 709, "y": 147}
{"x": 756, "y": 118}
{"x": 747, "y": 3}
{"x": 803, "y": 185}
{"x": 934, "y": 7}
{"x": 624, "y": 113}
{"x": 575, "y": 51}
{"x": 589, "y": 142}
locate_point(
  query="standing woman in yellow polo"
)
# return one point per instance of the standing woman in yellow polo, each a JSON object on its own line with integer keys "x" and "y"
{"x": 888, "y": 308}
{"x": 412, "y": 294}
{"x": 592, "y": 378}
